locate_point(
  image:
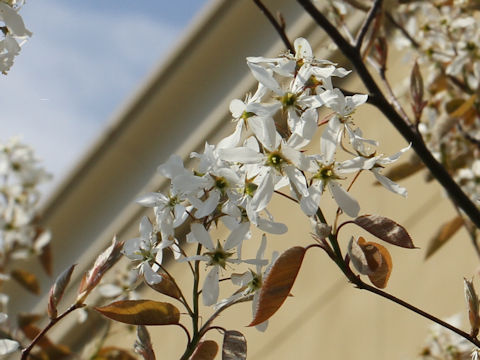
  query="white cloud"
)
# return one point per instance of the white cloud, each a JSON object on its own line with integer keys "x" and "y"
{"x": 73, "y": 73}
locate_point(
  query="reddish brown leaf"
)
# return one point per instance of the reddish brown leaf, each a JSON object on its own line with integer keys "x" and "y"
{"x": 371, "y": 259}
{"x": 234, "y": 346}
{"x": 386, "y": 230}
{"x": 113, "y": 353}
{"x": 278, "y": 284}
{"x": 141, "y": 312}
{"x": 206, "y": 350}
{"x": 384, "y": 265}
{"x": 166, "y": 287}
{"x": 444, "y": 234}
{"x": 57, "y": 290}
{"x": 27, "y": 280}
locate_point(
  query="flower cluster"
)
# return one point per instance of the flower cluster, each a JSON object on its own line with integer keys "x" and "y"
{"x": 14, "y": 33}
{"x": 20, "y": 236}
{"x": 20, "y": 175}
{"x": 446, "y": 45}
{"x": 267, "y": 152}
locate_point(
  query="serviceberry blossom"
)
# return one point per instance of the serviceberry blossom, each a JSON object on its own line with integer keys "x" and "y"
{"x": 234, "y": 181}
{"x": 14, "y": 33}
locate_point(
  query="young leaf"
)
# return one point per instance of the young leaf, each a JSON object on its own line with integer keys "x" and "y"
{"x": 165, "y": 287}
{"x": 141, "y": 312}
{"x": 234, "y": 346}
{"x": 473, "y": 309}
{"x": 371, "y": 259}
{"x": 143, "y": 344}
{"x": 444, "y": 234}
{"x": 27, "y": 280}
{"x": 380, "y": 276}
{"x": 206, "y": 350}
{"x": 386, "y": 230}
{"x": 57, "y": 290}
{"x": 278, "y": 284}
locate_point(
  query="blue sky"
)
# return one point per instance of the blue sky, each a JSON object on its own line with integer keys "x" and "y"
{"x": 84, "y": 60}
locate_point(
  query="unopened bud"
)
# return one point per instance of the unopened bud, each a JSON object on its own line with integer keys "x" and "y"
{"x": 472, "y": 304}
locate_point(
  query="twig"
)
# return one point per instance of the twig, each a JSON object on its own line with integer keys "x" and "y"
{"x": 41, "y": 334}
{"x": 409, "y": 133}
{"x": 368, "y": 21}
{"x": 361, "y": 285}
{"x": 405, "y": 33}
{"x": 393, "y": 97}
{"x": 280, "y": 28}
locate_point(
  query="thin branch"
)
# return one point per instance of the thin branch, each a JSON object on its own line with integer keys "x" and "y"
{"x": 393, "y": 97}
{"x": 41, "y": 334}
{"x": 409, "y": 133}
{"x": 405, "y": 33}
{"x": 361, "y": 285}
{"x": 280, "y": 28}
{"x": 368, "y": 21}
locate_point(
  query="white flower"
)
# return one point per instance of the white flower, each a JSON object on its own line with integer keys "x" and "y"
{"x": 216, "y": 257}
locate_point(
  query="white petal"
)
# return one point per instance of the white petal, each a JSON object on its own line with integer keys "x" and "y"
{"x": 303, "y": 50}
{"x": 152, "y": 199}
{"x": 330, "y": 139}
{"x": 243, "y": 155}
{"x": 237, "y": 236}
{"x": 297, "y": 180}
{"x": 309, "y": 204}
{"x": 232, "y": 140}
{"x": 151, "y": 277}
{"x": 263, "y": 194}
{"x": 265, "y": 77}
{"x": 348, "y": 204}
{"x": 210, "y": 288}
{"x": 13, "y": 20}
{"x": 265, "y": 131}
{"x": 270, "y": 226}
{"x": 145, "y": 227}
{"x": 8, "y": 346}
{"x": 201, "y": 235}
{"x": 389, "y": 184}
{"x": 209, "y": 205}
{"x": 237, "y": 107}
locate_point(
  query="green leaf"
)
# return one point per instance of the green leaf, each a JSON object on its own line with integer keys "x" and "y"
{"x": 278, "y": 284}
{"x": 27, "y": 280}
{"x": 206, "y": 350}
{"x": 444, "y": 234}
{"x": 141, "y": 312}
{"x": 386, "y": 230}
{"x": 234, "y": 346}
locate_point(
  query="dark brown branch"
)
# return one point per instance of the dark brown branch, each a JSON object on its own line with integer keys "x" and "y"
{"x": 280, "y": 28}
{"x": 408, "y": 132}
{"x": 368, "y": 21}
